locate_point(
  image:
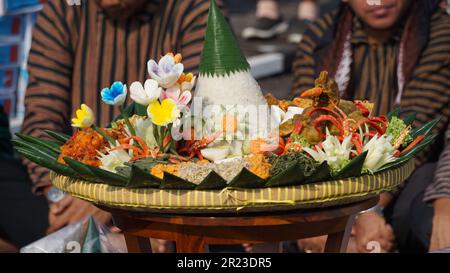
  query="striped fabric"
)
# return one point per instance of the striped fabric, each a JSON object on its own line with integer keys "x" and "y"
{"x": 315, "y": 195}
{"x": 427, "y": 93}
{"x": 78, "y": 50}
{"x": 441, "y": 184}
{"x": 305, "y": 66}
{"x": 377, "y": 64}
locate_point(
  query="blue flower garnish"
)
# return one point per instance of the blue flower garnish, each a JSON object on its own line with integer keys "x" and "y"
{"x": 115, "y": 95}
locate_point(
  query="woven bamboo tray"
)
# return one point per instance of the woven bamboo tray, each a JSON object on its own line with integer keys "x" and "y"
{"x": 317, "y": 195}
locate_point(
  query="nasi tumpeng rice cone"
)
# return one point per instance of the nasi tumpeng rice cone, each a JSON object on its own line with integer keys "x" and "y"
{"x": 224, "y": 76}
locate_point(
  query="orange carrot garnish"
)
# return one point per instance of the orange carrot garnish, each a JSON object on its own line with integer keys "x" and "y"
{"x": 412, "y": 144}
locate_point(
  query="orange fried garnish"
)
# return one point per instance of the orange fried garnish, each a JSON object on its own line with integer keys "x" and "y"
{"x": 284, "y": 105}
{"x": 83, "y": 147}
{"x": 259, "y": 165}
{"x": 302, "y": 102}
{"x": 159, "y": 169}
{"x": 271, "y": 99}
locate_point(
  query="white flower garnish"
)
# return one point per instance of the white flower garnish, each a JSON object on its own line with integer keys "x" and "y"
{"x": 279, "y": 117}
{"x": 380, "y": 153}
{"x": 114, "y": 159}
{"x": 144, "y": 130}
{"x": 217, "y": 153}
{"x": 336, "y": 154}
{"x": 146, "y": 94}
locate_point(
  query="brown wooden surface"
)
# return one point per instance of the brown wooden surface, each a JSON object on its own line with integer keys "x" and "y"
{"x": 137, "y": 244}
{"x": 191, "y": 233}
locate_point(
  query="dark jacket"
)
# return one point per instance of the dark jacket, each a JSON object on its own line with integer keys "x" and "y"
{"x": 6, "y": 150}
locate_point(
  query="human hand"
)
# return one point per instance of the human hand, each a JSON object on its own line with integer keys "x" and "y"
{"x": 70, "y": 210}
{"x": 248, "y": 248}
{"x": 371, "y": 227}
{"x": 162, "y": 246}
{"x": 440, "y": 237}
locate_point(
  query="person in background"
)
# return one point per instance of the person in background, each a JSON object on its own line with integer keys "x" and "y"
{"x": 270, "y": 23}
{"x": 6, "y": 150}
{"x": 17, "y": 228}
{"x": 78, "y": 50}
{"x": 393, "y": 54}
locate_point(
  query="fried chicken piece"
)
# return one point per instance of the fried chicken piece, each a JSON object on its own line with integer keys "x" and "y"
{"x": 302, "y": 102}
{"x": 325, "y": 91}
{"x": 284, "y": 105}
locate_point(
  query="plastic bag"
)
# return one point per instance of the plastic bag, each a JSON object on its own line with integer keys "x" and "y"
{"x": 87, "y": 236}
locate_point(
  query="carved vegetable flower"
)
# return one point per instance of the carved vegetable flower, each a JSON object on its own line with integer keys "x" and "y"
{"x": 146, "y": 94}
{"x": 163, "y": 113}
{"x": 167, "y": 71}
{"x": 380, "y": 153}
{"x": 114, "y": 159}
{"x": 115, "y": 95}
{"x": 336, "y": 154}
{"x": 84, "y": 117}
{"x": 278, "y": 116}
{"x": 187, "y": 81}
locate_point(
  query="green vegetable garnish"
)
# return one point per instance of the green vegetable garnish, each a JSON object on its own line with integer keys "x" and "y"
{"x": 335, "y": 170}
{"x": 300, "y": 140}
{"x": 395, "y": 128}
{"x": 282, "y": 162}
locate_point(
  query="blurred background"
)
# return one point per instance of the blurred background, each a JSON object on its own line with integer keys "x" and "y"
{"x": 270, "y": 59}
{"x": 16, "y": 22}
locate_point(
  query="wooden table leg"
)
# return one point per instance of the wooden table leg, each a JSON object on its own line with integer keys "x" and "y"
{"x": 137, "y": 244}
{"x": 338, "y": 242}
{"x": 190, "y": 244}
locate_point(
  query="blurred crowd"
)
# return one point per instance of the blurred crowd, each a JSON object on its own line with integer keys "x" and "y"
{"x": 392, "y": 52}
{"x": 270, "y": 22}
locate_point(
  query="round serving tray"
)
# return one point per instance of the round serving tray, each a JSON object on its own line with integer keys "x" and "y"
{"x": 317, "y": 195}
